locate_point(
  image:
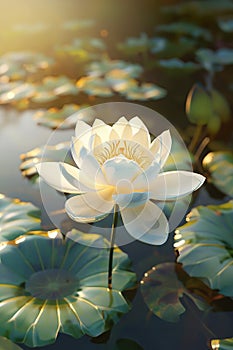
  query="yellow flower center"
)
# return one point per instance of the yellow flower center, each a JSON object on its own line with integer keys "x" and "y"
{"x": 129, "y": 149}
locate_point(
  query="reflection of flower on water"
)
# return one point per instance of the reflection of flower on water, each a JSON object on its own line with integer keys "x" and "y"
{"x": 48, "y": 285}
{"x": 120, "y": 165}
{"x": 205, "y": 245}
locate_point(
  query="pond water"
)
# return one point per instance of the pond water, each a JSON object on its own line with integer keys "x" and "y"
{"x": 19, "y": 134}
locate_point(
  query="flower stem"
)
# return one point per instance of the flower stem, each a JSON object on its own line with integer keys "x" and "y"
{"x": 195, "y": 138}
{"x": 112, "y": 241}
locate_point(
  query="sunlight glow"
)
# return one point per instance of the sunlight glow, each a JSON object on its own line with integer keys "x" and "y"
{"x": 20, "y": 240}
{"x": 179, "y": 244}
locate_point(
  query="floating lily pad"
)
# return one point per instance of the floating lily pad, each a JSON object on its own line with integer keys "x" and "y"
{"x": 200, "y": 8}
{"x": 222, "y": 344}
{"x": 185, "y": 28}
{"x": 146, "y": 91}
{"x": 49, "y": 153}
{"x": 212, "y": 59}
{"x": 114, "y": 67}
{"x": 158, "y": 44}
{"x": 95, "y": 86}
{"x": 220, "y": 167}
{"x": 163, "y": 292}
{"x": 18, "y": 65}
{"x": 205, "y": 245}
{"x": 83, "y": 50}
{"x": 17, "y": 218}
{"x": 121, "y": 85}
{"x": 48, "y": 285}
{"x": 186, "y": 45}
{"x": 15, "y": 91}
{"x": 177, "y": 64}
{"x": 59, "y": 118}
{"x": 6, "y": 344}
{"x": 53, "y": 87}
{"x": 226, "y": 24}
{"x": 135, "y": 45}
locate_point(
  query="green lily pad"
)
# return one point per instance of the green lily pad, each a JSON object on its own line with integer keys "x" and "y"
{"x": 83, "y": 50}
{"x": 168, "y": 48}
{"x": 205, "y": 245}
{"x": 177, "y": 64}
{"x": 185, "y": 28}
{"x": 135, "y": 45}
{"x": 222, "y": 344}
{"x": 114, "y": 67}
{"x": 158, "y": 44}
{"x": 18, "y": 65}
{"x": 48, "y": 285}
{"x": 63, "y": 118}
{"x": 220, "y": 167}
{"x": 163, "y": 291}
{"x": 53, "y": 87}
{"x": 210, "y": 59}
{"x": 199, "y": 8}
{"x": 121, "y": 85}
{"x": 6, "y": 344}
{"x": 17, "y": 218}
{"x": 15, "y": 91}
{"x": 95, "y": 86}
{"x": 39, "y": 154}
{"x": 145, "y": 91}
{"x": 226, "y": 24}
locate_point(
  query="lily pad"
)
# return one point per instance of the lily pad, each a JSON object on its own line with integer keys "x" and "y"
{"x": 17, "y": 218}
{"x": 205, "y": 245}
{"x": 95, "y": 86}
{"x": 6, "y": 344}
{"x": 177, "y": 64}
{"x": 121, "y": 85}
{"x": 135, "y": 45}
{"x": 18, "y": 65}
{"x": 220, "y": 167}
{"x": 15, "y": 91}
{"x": 53, "y": 87}
{"x": 49, "y": 153}
{"x": 226, "y": 24}
{"x": 210, "y": 59}
{"x": 200, "y": 8}
{"x": 185, "y": 28}
{"x": 146, "y": 91}
{"x": 163, "y": 292}
{"x": 114, "y": 67}
{"x": 48, "y": 285}
{"x": 83, "y": 50}
{"x": 168, "y": 48}
{"x": 158, "y": 44}
{"x": 59, "y": 118}
{"x": 222, "y": 344}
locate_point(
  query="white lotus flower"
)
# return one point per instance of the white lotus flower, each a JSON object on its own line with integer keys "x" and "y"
{"x": 120, "y": 165}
